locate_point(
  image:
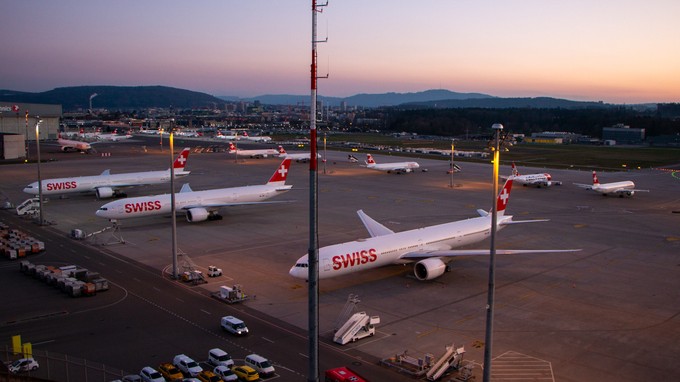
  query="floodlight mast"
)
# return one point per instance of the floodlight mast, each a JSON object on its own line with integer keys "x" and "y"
{"x": 313, "y": 252}
{"x": 488, "y": 342}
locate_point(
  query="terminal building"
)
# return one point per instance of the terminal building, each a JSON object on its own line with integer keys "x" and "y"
{"x": 18, "y": 125}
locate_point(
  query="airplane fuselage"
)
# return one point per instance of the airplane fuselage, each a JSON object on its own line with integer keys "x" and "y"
{"x": 93, "y": 182}
{"x": 396, "y": 167}
{"x": 161, "y": 204}
{"x": 614, "y": 187}
{"x": 339, "y": 259}
{"x": 533, "y": 179}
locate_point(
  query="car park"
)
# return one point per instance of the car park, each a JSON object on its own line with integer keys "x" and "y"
{"x": 208, "y": 376}
{"x": 149, "y": 374}
{"x": 225, "y": 373}
{"x": 23, "y": 364}
{"x": 187, "y": 365}
{"x": 245, "y": 373}
{"x": 219, "y": 357}
{"x": 260, "y": 364}
{"x": 170, "y": 372}
{"x": 234, "y": 325}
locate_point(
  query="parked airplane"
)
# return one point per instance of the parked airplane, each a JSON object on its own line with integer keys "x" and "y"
{"x": 298, "y": 157}
{"x": 107, "y": 185}
{"x": 257, "y": 138}
{"x": 623, "y": 188}
{"x": 70, "y": 145}
{"x": 396, "y": 167}
{"x": 230, "y": 137}
{"x": 199, "y": 205}
{"x": 257, "y": 153}
{"x": 113, "y": 136}
{"x": 430, "y": 247}
{"x": 538, "y": 180}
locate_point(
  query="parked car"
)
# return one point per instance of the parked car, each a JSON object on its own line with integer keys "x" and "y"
{"x": 219, "y": 357}
{"x": 260, "y": 364}
{"x": 149, "y": 374}
{"x": 187, "y": 365}
{"x": 208, "y": 376}
{"x": 170, "y": 372}
{"x": 23, "y": 364}
{"x": 245, "y": 373}
{"x": 225, "y": 373}
{"x": 132, "y": 378}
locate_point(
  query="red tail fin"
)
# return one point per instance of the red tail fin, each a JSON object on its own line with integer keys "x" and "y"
{"x": 504, "y": 197}
{"x": 282, "y": 150}
{"x": 232, "y": 147}
{"x": 369, "y": 159}
{"x": 181, "y": 160}
{"x": 281, "y": 173}
{"x": 595, "y": 181}
{"x": 514, "y": 170}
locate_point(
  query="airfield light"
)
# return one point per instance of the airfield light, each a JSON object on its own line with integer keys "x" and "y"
{"x": 497, "y": 127}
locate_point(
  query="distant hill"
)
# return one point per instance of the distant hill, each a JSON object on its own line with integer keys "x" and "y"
{"x": 506, "y": 103}
{"x": 116, "y": 97}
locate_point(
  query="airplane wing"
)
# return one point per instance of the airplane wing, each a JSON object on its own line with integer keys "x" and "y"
{"x": 216, "y": 205}
{"x": 626, "y": 191}
{"x": 586, "y": 186}
{"x": 373, "y": 227}
{"x": 477, "y": 252}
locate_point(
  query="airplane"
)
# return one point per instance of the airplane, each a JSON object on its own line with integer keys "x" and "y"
{"x": 624, "y": 188}
{"x": 298, "y": 157}
{"x": 199, "y": 205}
{"x": 70, "y": 145}
{"x": 113, "y": 136}
{"x": 396, "y": 167}
{"x": 258, "y": 138}
{"x": 431, "y": 248}
{"x": 220, "y": 135}
{"x": 538, "y": 180}
{"x": 107, "y": 185}
{"x": 259, "y": 153}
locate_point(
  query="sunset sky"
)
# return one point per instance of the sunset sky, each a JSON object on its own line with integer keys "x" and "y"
{"x": 623, "y": 51}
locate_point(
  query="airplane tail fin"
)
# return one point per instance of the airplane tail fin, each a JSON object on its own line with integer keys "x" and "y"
{"x": 181, "y": 159}
{"x": 595, "y": 181}
{"x": 369, "y": 159}
{"x": 232, "y": 148}
{"x": 282, "y": 150}
{"x": 281, "y": 173}
{"x": 514, "y": 170}
{"x": 503, "y": 197}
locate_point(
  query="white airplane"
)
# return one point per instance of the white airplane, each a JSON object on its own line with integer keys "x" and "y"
{"x": 220, "y": 135}
{"x": 396, "y": 167}
{"x": 538, "y": 180}
{"x": 107, "y": 185}
{"x": 257, "y": 153}
{"x": 431, "y": 248}
{"x": 257, "y": 138}
{"x": 623, "y": 188}
{"x": 114, "y": 137}
{"x": 199, "y": 205}
{"x": 298, "y": 157}
{"x": 70, "y": 145}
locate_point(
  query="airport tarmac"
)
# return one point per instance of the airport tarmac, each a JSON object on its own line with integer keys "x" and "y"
{"x": 606, "y": 313}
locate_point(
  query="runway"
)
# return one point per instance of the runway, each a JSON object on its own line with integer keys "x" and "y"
{"x": 608, "y": 312}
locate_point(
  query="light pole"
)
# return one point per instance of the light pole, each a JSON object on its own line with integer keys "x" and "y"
{"x": 452, "y": 166}
{"x": 37, "y": 144}
{"x": 26, "y": 136}
{"x": 324, "y": 154}
{"x": 172, "y": 208}
{"x": 497, "y": 127}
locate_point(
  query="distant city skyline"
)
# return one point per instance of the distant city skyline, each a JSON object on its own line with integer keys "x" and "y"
{"x": 624, "y": 51}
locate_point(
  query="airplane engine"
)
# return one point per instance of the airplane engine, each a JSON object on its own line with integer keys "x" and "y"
{"x": 429, "y": 269}
{"x": 628, "y": 193}
{"x": 197, "y": 215}
{"x": 104, "y": 192}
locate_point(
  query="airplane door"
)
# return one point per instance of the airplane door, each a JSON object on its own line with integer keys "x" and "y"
{"x": 326, "y": 266}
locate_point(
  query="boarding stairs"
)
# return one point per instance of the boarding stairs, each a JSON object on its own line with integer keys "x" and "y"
{"x": 29, "y": 207}
{"x": 452, "y": 358}
{"x": 358, "y": 326}
{"x": 347, "y": 311}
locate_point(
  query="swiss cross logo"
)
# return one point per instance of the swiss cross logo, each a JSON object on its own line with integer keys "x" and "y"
{"x": 504, "y": 196}
{"x": 283, "y": 171}
{"x": 181, "y": 159}
{"x": 15, "y": 108}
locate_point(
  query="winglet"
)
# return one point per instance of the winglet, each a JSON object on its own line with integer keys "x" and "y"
{"x": 106, "y": 172}
{"x": 373, "y": 227}
{"x": 503, "y": 197}
{"x": 281, "y": 173}
{"x": 186, "y": 188}
{"x": 181, "y": 159}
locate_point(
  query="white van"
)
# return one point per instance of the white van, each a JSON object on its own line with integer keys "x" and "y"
{"x": 219, "y": 357}
{"x": 234, "y": 325}
{"x": 260, "y": 364}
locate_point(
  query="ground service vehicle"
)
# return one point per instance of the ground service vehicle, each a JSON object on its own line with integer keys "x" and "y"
{"x": 342, "y": 374}
{"x": 170, "y": 372}
{"x": 149, "y": 374}
{"x": 234, "y": 326}
{"x": 219, "y": 357}
{"x": 245, "y": 373}
{"x": 260, "y": 364}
